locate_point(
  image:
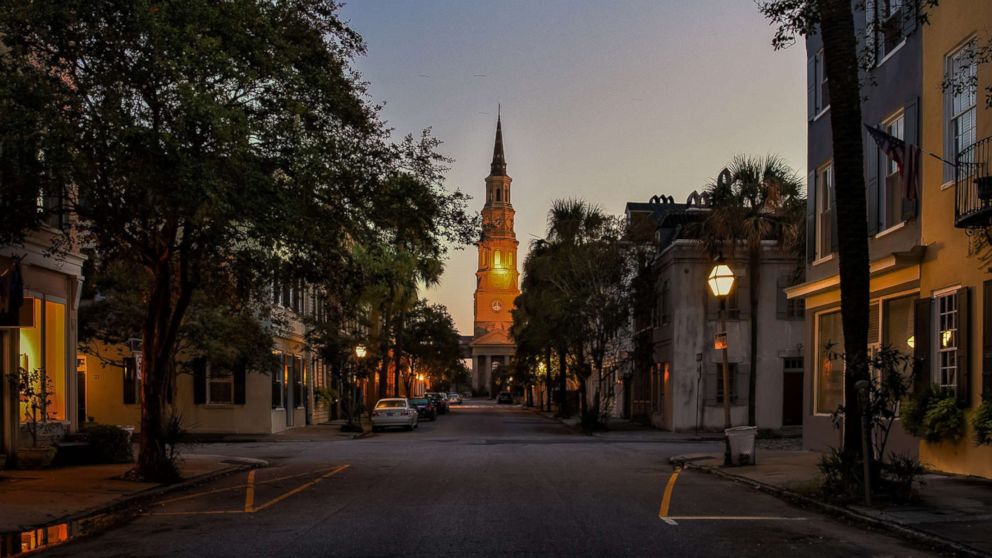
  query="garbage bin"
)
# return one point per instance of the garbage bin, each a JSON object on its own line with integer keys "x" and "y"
{"x": 741, "y": 440}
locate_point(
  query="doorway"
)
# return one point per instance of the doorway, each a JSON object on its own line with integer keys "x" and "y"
{"x": 792, "y": 391}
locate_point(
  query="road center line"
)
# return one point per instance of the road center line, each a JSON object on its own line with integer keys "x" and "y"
{"x": 666, "y": 499}
{"x": 250, "y": 492}
{"x": 671, "y": 519}
{"x": 300, "y": 488}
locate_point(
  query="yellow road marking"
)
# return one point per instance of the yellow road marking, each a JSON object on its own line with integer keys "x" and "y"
{"x": 732, "y": 518}
{"x": 250, "y": 492}
{"x": 229, "y": 488}
{"x": 666, "y": 499}
{"x": 300, "y": 488}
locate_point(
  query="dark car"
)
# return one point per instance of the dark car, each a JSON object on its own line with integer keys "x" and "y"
{"x": 440, "y": 401}
{"x": 504, "y": 397}
{"x": 425, "y": 408}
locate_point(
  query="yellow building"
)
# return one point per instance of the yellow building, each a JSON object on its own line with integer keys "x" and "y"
{"x": 955, "y": 283}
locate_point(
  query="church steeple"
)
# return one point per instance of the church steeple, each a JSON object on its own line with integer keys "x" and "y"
{"x": 498, "y": 166}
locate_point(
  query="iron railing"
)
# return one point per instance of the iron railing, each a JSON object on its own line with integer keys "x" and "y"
{"x": 973, "y": 180}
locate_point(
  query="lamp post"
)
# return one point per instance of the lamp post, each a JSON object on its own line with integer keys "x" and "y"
{"x": 360, "y": 353}
{"x": 721, "y": 282}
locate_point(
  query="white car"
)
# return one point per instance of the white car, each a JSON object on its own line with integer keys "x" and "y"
{"x": 454, "y": 399}
{"x": 394, "y": 412}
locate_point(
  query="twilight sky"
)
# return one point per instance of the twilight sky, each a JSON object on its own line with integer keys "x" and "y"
{"x": 608, "y": 101}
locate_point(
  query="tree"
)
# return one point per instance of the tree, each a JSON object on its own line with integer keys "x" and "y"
{"x": 756, "y": 199}
{"x": 433, "y": 346}
{"x": 834, "y": 20}
{"x": 202, "y": 154}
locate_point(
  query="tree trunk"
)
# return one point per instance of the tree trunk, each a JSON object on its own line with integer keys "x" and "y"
{"x": 840, "y": 50}
{"x": 562, "y": 383}
{"x": 754, "y": 273}
{"x": 548, "y": 379}
{"x": 384, "y": 356}
{"x": 583, "y": 404}
{"x": 397, "y": 354}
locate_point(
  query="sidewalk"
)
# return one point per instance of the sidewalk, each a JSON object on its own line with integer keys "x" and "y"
{"x": 955, "y": 512}
{"x": 624, "y": 430}
{"x": 34, "y": 498}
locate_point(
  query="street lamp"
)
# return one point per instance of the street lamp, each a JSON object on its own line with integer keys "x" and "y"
{"x": 721, "y": 282}
{"x": 360, "y": 353}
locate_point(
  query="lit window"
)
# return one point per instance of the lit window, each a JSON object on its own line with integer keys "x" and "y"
{"x": 960, "y": 112}
{"x": 829, "y": 363}
{"x": 893, "y": 191}
{"x": 946, "y": 340}
{"x": 43, "y": 348}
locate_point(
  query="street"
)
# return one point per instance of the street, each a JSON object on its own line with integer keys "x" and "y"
{"x": 484, "y": 480}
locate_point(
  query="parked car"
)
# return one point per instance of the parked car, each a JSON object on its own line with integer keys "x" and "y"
{"x": 425, "y": 408}
{"x": 454, "y": 399}
{"x": 440, "y": 401}
{"x": 393, "y": 412}
{"x": 504, "y": 397}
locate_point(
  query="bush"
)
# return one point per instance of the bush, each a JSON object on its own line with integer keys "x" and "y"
{"x": 900, "y": 477}
{"x": 913, "y": 411}
{"x": 981, "y": 421}
{"x": 843, "y": 476}
{"x": 109, "y": 444}
{"x": 944, "y": 421}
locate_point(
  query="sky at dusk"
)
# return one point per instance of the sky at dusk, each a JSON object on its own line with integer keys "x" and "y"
{"x": 608, "y": 101}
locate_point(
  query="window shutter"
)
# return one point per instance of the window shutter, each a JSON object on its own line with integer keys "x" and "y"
{"x": 964, "y": 331}
{"x": 832, "y": 215}
{"x": 811, "y": 216}
{"x": 950, "y": 152}
{"x": 199, "y": 381}
{"x": 811, "y": 88}
{"x": 871, "y": 183}
{"x": 239, "y": 383}
{"x": 987, "y": 341}
{"x": 921, "y": 341}
{"x": 910, "y": 15}
{"x": 911, "y": 119}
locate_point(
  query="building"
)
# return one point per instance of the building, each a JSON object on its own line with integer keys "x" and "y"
{"x": 676, "y": 382}
{"x": 40, "y": 334}
{"x": 497, "y": 280}
{"x": 954, "y": 332}
{"x": 891, "y": 101}
{"x": 212, "y": 400}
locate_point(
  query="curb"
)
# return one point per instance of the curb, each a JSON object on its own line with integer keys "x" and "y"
{"x": 830, "y": 509}
{"x": 84, "y": 519}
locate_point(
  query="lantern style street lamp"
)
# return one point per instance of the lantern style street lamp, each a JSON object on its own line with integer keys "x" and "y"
{"x": 360, "y": 353}
{"x": 721, "y": 282}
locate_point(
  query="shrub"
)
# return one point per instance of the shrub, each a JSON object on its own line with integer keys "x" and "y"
{"x": 109, "y": 444}
{"x": 843, "y": 476}
{"x": 913, "y": 411}
{"x": 981, "y": 421}
{"x": 944, "y": 420}
{"x": 900, "y": 477}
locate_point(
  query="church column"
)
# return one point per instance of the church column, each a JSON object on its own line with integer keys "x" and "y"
{"x": 482, "y": 377}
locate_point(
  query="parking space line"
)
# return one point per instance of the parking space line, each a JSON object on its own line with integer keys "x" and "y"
{"x": 300, "y": 488}
{"x": 250, "y": 492}
{"x": 666, "y": 499}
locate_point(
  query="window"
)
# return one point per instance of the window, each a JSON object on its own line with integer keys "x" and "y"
{"x": 497, "y": 257}
{"x": 43, "y": 347}
{"x": 220, "y": 385}
{"x": 946, "y": 340}
{"x": 959, "y": 104}
{"x": 792, "y": 364}
{"x": 819, "y": 96}
{"x": 498, "y": 194}
{"x": 298, "y": 372}
{"x": 131, "y": 383}
{"x": 829, "y": 385}
{"x": 887, "y": 23}
{"x": 715, "y": 395}
{"x": 824, "y": 210}
{"x": 890, "y": 214}
{"x": 789, "y": 309}
{"x": 898, "y": 317}
{"x": 50, "y": 207}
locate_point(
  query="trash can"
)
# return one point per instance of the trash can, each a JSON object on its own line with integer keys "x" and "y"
{"x": 741, "y": 440}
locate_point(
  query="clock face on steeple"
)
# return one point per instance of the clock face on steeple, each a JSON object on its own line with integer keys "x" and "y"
{"x": 497, "y": 305}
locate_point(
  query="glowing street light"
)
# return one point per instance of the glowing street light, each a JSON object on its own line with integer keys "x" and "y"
{"x": 721, "y": 280}
{"x": 360, "y": 351}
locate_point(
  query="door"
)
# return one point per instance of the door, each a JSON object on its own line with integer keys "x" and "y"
{"x": 792, "y": 392}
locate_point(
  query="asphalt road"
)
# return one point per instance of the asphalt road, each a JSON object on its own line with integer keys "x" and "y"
{"x": 481, "y": 481}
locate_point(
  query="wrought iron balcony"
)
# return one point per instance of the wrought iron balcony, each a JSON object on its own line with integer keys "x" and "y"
{"x": 973, "y": 178}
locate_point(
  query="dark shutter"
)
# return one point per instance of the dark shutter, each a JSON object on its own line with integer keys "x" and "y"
{"x": 964, "y": 341}
{"x": 911, "y": 121}
{"x": 130, "y": 381}
{"x": 910, "y": 15}
{"x": 833, "y": 210}
{"x": 950, "y": 148}
{"x": 871, "y": 182}
{"x": 199, "y": 381}
{"x": 239, "y": 383}
{"x": 811, "y": 217}
{"x": 921, "y": 342}
{"x": 987, "y": 341}
{"x": 810, "y": 88}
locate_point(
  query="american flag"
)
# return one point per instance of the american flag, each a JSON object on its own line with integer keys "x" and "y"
{"x": 905, "y": 155}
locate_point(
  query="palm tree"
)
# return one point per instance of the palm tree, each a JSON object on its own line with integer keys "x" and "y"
{"x": 755, "y": 200}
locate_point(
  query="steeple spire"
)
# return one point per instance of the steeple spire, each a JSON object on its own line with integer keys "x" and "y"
{"x": 498, "y": 166}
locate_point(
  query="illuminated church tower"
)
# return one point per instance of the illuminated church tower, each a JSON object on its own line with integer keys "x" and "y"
{"x": 497, "y": 277}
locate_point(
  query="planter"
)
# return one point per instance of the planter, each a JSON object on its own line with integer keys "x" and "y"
{"x": 983, "y": 185}
{"x": 35, "y": 458}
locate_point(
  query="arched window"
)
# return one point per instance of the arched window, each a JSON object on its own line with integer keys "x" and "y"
{"x": 496, "y": 259}
{"x": 506, "y": 195}
{"x": 497, "y": 194}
